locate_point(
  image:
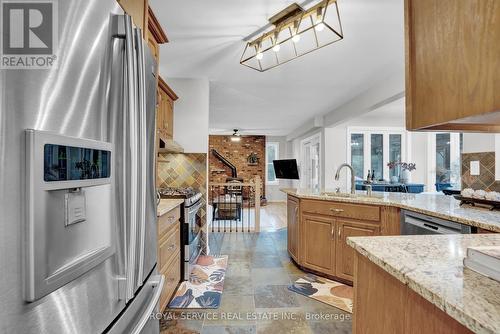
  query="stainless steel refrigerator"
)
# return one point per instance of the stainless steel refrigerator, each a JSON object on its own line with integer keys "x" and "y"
{"x": 77, "y": 187}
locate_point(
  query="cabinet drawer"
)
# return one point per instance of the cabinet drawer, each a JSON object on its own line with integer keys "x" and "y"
{"x": 172, "y": 278}
{"x": 169, "y": 246}
{"x": 344, "y": 210}
{"x": 168, "y": 220}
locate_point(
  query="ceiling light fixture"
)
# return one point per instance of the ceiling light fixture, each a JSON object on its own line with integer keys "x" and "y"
{"x": 236, "y": 136}
{"x": 315, "y": 28}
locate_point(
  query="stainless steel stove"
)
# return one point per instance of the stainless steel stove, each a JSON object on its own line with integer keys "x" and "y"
{"x": 191, "y": 225}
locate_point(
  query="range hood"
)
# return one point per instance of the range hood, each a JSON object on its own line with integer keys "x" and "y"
{"x": 169, "y": 146}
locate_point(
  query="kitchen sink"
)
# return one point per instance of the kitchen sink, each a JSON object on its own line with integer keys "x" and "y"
{"x": 349, "y": 195}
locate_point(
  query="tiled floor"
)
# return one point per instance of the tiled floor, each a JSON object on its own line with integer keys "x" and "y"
{"x": 255, "y": 297}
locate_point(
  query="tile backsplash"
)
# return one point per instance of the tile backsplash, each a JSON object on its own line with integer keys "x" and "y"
{"x": 184, "y": 170}
{"x": 486, "y": 178}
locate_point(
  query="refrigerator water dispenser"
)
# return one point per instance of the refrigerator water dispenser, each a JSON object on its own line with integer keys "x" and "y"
{"x": 69, "y": 218}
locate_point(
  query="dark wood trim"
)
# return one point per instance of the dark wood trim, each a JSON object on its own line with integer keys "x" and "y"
{"x": 155, "y": 28}
{"x": 163, "y": 85}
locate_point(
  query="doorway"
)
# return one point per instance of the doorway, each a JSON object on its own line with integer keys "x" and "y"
{"x": 311, "y": 163}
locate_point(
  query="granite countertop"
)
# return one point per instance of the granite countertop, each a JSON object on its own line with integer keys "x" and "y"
{"x": 431, "y": 265}
{"x": 166, "y": 205}
{"x": 436, "y": 205}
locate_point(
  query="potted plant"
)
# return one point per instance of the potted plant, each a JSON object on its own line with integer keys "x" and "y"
{"x": 405, "y": 168}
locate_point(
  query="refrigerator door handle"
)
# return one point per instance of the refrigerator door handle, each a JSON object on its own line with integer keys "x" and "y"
{"x": 157, "y": 282}
{"x": 131, "y": 64}
{"x": 141, "y": 88}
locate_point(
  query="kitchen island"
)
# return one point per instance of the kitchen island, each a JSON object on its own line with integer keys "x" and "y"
{"x": 417, "y": 284}
{"x": 403, "y": 284}
{"x": 319, "y": 224}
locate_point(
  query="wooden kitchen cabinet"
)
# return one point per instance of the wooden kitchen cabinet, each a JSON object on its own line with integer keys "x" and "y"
{"x": 382, "y": 304}
{"x": 169, "y": 256}
{"x": 155, "y": 35}
{"x": 318, "y": 232}
{"x": 318, "y": 244}
{"x": 452, "y": 65}
{"x": 345, "y": 254}
{"x": 293, "y": 227}
{"x": 165, "y": 110}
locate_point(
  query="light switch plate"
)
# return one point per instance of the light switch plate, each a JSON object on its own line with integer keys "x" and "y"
{"x": 474, "y": 168}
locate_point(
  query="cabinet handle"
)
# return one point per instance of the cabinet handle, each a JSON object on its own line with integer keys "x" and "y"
{"x": 333, "y": 232}
{"x": 296, "y": 214}
{"x": 171, "y": 247}
{"x": 170, "y": 219}
{"x": 336, "y": 210}
{"x": 340, "y": 233}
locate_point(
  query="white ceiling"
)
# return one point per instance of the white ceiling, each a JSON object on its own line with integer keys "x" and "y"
{"x": 206, "y": 41}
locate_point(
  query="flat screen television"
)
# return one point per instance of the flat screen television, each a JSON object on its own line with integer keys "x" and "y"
{"x": 286, "y": 169}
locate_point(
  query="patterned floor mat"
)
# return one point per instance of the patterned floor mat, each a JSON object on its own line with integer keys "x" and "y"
{"x": 205, "y": 285}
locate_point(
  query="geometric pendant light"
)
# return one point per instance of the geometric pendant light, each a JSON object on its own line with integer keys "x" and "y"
{"x": 296, "y": 32}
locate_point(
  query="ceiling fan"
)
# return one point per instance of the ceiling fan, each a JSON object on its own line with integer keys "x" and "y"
{"x": 236, "y": 136}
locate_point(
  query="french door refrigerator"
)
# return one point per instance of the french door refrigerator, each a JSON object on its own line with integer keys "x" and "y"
{"x": 77, "y": 188}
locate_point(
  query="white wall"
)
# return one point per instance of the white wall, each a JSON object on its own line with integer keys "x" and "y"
{"x": 484, "y": 142}
{"x": 191, "y": 114}
{"x": 479, "y": 142}
{"x": 273, "y": 193}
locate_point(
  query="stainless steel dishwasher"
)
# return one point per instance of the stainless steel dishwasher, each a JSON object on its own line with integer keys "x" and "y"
{"x": 413, "y": 223}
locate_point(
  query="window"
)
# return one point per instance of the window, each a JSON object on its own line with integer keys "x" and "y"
{"x": 357, "y": 155}
{"x": 444, "y": 162}
{"x": 372, "y": 149}
{"x": 394, "y": 151}
{"x": 272, "y": 153}
{"x": 377, "y": 155}
{"x": 443, "y": 158}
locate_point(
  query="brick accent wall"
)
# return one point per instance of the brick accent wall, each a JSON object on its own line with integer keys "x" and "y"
{"x": 237, "y": 153}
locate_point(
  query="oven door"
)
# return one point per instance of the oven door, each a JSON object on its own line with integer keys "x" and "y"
{"x": 193, "y": 222}
{"x": 192, "y": 237}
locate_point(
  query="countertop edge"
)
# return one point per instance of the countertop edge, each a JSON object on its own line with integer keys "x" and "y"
{"x": 466, "y": 221}
{"x": 427, "y": 294}
{"x": 167, "y": 205}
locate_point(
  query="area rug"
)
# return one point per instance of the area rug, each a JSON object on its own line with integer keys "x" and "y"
{"x": 324, "y": 290}
{"x": 205, "y": 285}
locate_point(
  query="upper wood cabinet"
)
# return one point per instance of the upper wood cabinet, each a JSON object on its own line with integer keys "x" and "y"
{"x": 165, "y": 110}
{"x": 452, "y": 65}
{"x": 138, "y": 10}
{"x": 155, "y": 35}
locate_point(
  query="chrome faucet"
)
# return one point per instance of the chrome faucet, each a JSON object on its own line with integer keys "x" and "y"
{"x": 337, "y": 176}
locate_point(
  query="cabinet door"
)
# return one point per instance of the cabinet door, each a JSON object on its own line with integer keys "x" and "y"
{"x": 452, "y": 64}
{"x": 169, "y": 117}
{"x": 293, "y": 227}
{"x": 345, "y": 254}
{"x": 318, "y": 243}
{"x": 159, "y": 113}
{"x": 154, "y": 47}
